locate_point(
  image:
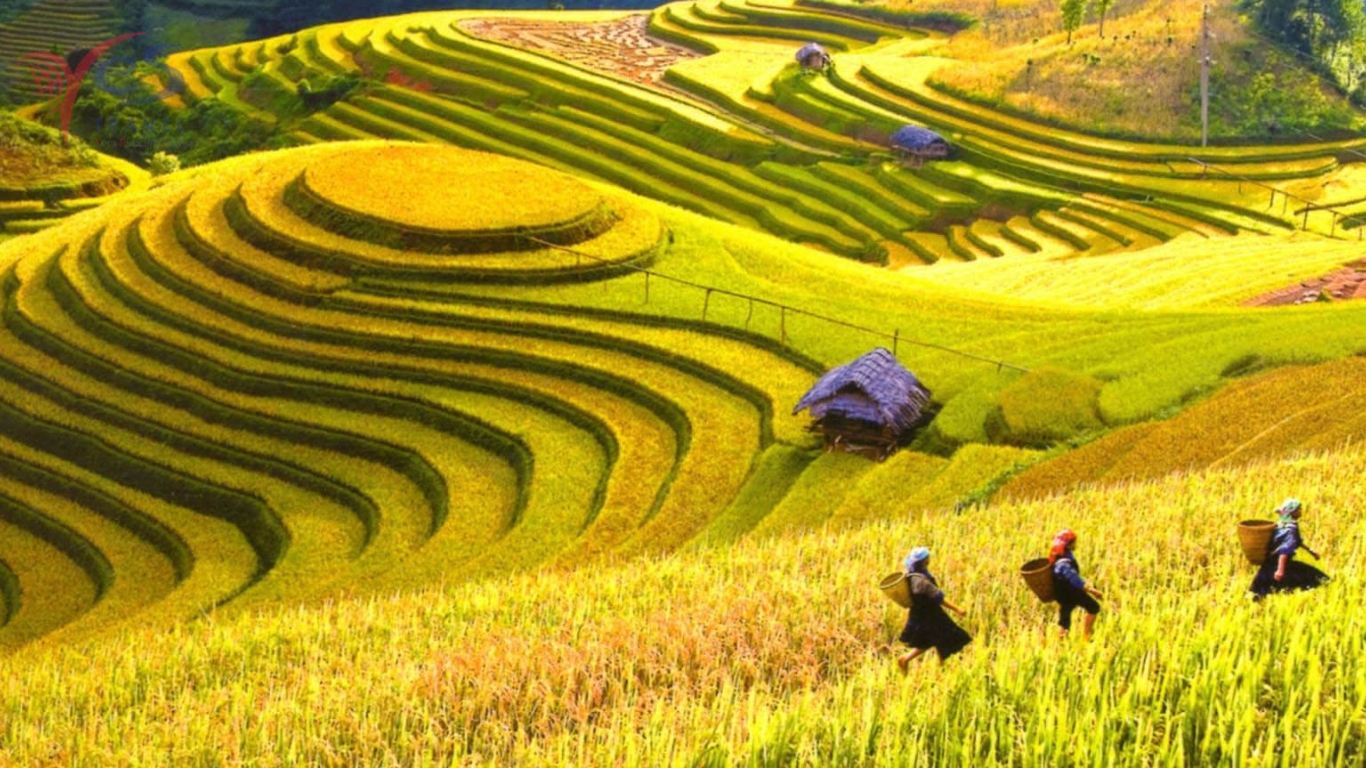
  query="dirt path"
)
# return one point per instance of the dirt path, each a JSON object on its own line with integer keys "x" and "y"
{"x": 1344, "y": 284}
{"x": 622, "y": 47}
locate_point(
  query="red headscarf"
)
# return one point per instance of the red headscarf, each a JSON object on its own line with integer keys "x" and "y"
{"x": 1060, "y": 543}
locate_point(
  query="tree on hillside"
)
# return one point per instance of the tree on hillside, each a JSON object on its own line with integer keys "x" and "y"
{"x": 132, "y": 15}
{"x": 1102, "y": 7}
{"x": 1073, "y": 11}
{"x": 1316, "y": 28}
{"x": 1338, "y": 23}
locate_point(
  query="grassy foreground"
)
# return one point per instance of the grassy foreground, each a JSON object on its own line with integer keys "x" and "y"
{"x": 769, "y": 653}
{"x": 440, "y": 612}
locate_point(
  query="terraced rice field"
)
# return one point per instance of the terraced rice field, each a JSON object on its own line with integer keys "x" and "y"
{"x": 43, "y": 184}
{"x": 774, "y": 647}
{"x": 621, "y": 47}
{"x": 34, "y": 198}
{"x": 256, "y": 358}
{"x": 699, "y": 104}
{"x": 35, "y": 208}
{"x": 451, "y": 458}
{"x": 1171, "y": 276}
{"x": 1299, "y": 409}
{"x": 60, "y": 25}
{"x": 270, "y": 381}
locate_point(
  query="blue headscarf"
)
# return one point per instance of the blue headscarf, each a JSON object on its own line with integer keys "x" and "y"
{"x": 1286, "y": 512}
{"x": 917, "y": 555}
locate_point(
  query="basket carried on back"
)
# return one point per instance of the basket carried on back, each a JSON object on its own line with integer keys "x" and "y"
{"x": 1038, "y": 574}
{"x": 896, "y": 587}
{"x": 1255, "y": 536}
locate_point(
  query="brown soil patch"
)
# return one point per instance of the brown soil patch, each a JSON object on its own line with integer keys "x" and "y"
{"x": 1341, "y": 285}
{"x": 622, "y": 47}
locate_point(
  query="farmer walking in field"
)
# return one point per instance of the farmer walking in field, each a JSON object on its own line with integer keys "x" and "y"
{"x": 1281, "y": 572}
{"x": 928, "y": 626}
{"x": 1069, "y": 588}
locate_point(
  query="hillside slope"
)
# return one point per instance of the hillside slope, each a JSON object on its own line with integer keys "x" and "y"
{"x": 43, "y": 181}
{"x": 44, "y": 28}
{"x": 1297, "y": 409}
{"x": 738, "y": 132}
{"x": 1141, "y": 77}
{"x": 262, "y": 383}
{"x": 773, "y": 653}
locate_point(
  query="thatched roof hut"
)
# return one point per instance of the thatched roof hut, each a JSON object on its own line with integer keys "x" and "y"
{"x": 813, "y": 56}
{"x": 914, "y": 145}
{"x": 870, "y": 405}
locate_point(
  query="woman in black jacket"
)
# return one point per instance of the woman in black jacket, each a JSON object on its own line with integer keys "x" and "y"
{"x": 1281, "y": 572}
{"x": 928, "y": 626}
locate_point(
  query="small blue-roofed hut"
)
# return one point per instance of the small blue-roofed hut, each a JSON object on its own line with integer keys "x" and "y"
{"x": 870, "y": 405}
{"x": 914, "y": 145}
{"x": 813, "y": 56}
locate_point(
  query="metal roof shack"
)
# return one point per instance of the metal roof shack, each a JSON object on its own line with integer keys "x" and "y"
{"x": 871, "y": 405}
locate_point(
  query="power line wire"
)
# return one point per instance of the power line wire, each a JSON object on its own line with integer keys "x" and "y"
{"x": 1347, "y": 150}
{"x": 1309, "y": 205}
{"x": 895, "y": 337}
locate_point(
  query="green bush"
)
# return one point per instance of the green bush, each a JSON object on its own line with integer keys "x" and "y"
{"x": 136, "y": 124}
{"x": 328, "y": 90}
{"x": 15, "y": 132}
{"x": 1271, "y": 102}
{"x": 163, "y": 163}
{"x": 1045, "y": 406}
{"x": 964, "y": 417}
{"x": 273, "y": 94}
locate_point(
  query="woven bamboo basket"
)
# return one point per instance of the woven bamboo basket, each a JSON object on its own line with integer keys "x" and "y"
{"x": 1255, "y": 536}
{"x": 1038, "y": 574}
{"x": 897, "y": 588}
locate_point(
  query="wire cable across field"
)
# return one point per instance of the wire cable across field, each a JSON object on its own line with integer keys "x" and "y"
{"x": 895, "y": 337}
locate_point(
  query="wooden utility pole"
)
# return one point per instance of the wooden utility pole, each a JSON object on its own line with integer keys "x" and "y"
{"x": 1204, "y": 78}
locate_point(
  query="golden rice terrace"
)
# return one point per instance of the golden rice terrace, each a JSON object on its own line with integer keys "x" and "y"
{"x": 463, "y": 432}
{"x": 240, "y": 390}
{"x": 738, "y": 131}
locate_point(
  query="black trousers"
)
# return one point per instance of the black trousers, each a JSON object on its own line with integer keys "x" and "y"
{"x": 1069, "y": 599}
{"x": 1298, "y": 576}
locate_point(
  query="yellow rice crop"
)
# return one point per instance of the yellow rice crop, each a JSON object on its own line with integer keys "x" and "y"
{"x": 816, "y": 493}
{"x": 1266, "y": 416}
{"x": 1048, "y": 405}
{"x": 881, "y": 492}
{"x": 204, "y": 214}
{"x": 971, "y": 468}
{"x": 444, "y": 189}
{"x": 1078, "y": 466}
{"x": 721, "y": 422}
{"x": 1186, "y": 272}
{"x": 768, "y": 653}
{"x": 1121, "y": 350}
{"x": 262, "y": 195}
{"x": 326, "y": 536}
{"x": 557, "y": 500}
